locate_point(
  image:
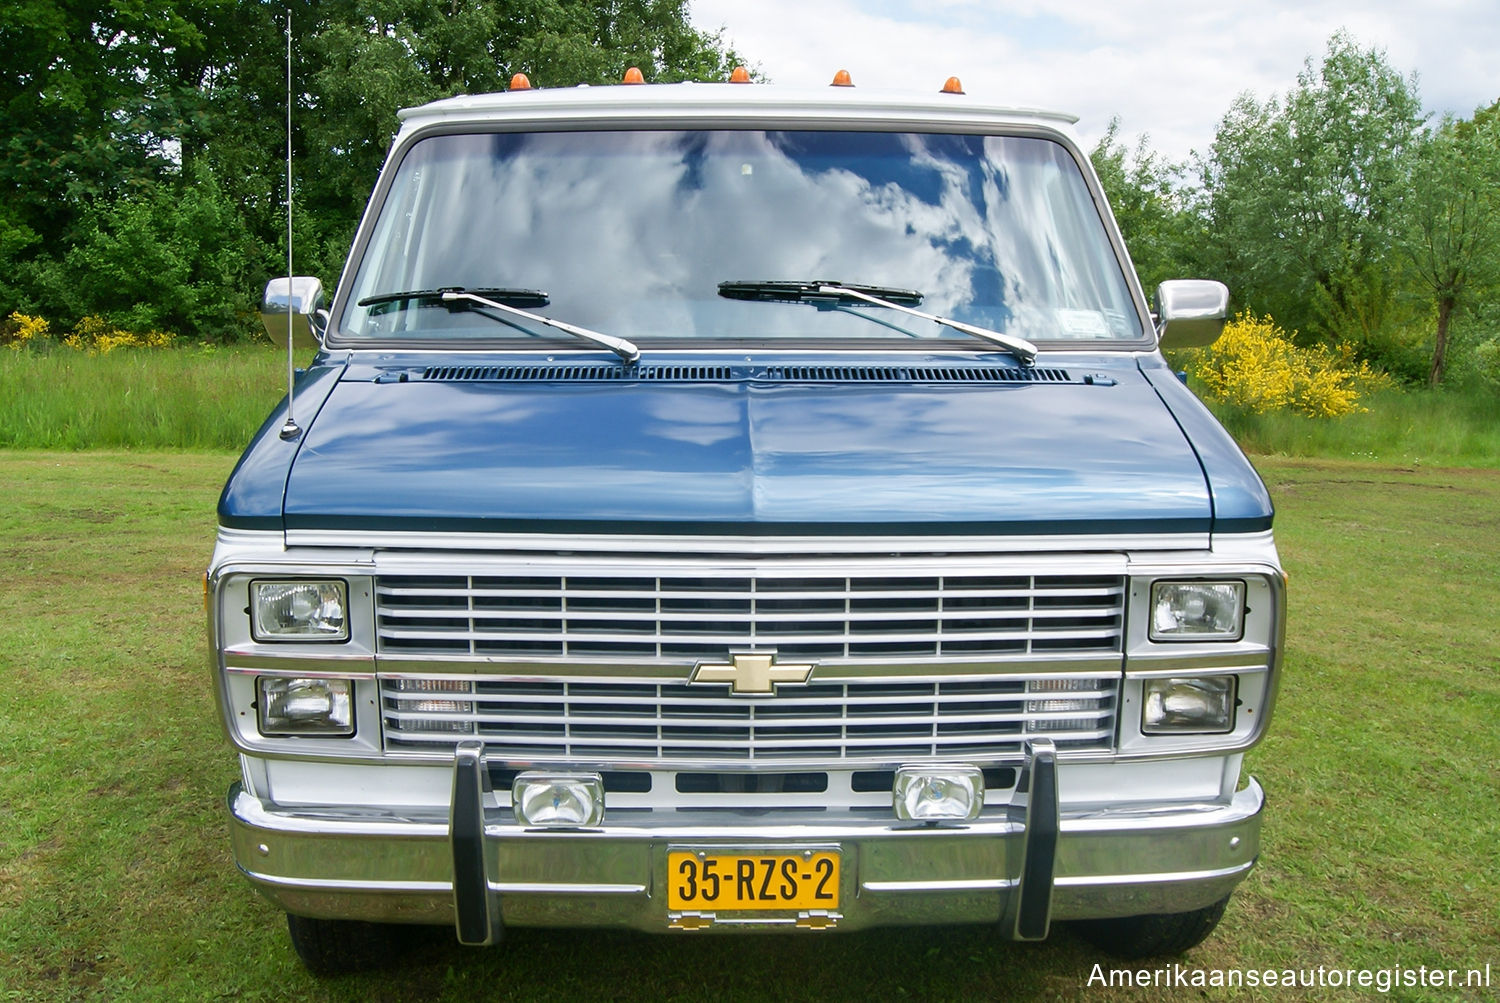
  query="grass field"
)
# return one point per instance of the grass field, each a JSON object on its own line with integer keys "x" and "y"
{"x": 180, "y": 398}
{"x": 1380, "y": 845}
{"x": 214, "y": 398}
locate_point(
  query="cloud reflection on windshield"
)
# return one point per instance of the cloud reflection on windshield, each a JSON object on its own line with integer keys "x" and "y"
{"x": 631, "y": 232}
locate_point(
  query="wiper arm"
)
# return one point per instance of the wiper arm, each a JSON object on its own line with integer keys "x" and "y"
{"x": 811, "y": 292}
{"x": 515, "y": 297}
{"x": 799, "y": 292}
{"x": 626, "y": 350}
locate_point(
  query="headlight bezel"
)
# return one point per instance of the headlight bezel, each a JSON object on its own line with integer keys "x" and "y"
{"x": 263, "y": 633}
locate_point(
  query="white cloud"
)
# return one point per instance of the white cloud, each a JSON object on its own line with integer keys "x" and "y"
{"x": 1169, "y": 68}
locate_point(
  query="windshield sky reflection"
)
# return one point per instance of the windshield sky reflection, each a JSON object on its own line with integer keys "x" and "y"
{"x": 631, "y": 232}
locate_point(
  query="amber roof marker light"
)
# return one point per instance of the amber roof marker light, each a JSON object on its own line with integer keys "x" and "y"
{"x": 952, "y": 86}
{"x": 740, "y": 75}
{"x": 520, "y": 82}
{"x": 842, "y": 79}
{"x": 633, "y": 76}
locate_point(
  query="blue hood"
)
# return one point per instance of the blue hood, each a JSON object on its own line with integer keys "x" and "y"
{"x": 749, "y": 454}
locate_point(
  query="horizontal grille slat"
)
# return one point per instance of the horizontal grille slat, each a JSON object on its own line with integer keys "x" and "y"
{"x": 629, "y": 721}
{"x": 630, "y": 613}
{"x": 396, "y": 613}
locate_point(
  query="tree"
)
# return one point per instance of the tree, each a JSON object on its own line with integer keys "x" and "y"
{"x": 388, "y": 54}
{"x": 1451, "y": 211}
{"x": 1149, "y": 205}
{"x": 1300, "y": 195}
{"x": 115, "y": 114}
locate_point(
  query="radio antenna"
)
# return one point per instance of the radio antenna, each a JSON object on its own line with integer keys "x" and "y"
{"x": 290, "y": 430}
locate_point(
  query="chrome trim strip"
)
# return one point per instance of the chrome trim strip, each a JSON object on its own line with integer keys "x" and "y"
{"x": 977, "y": 885}
{"x": 1162, "y": 877}
{"x": 1067, "y": 665}
{"x": 748, "y": 546}
{"x": 374, "y": 885}
{"x": 564, "y": 888}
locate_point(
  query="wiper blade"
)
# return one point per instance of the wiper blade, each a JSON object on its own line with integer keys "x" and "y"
{"x": 796, "y": 292}
{"x": 515, "y": 297}
{"x": 812, "y": 292}
{"x": 626, "y": 350}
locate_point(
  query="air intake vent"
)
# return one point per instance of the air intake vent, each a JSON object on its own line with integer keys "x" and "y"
{"x": 577, "y": 374}
{"x": 916, "y": 374}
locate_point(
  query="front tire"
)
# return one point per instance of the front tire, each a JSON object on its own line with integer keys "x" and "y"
{"x": 340, "y": 946}
{"x": 1152, "y": 936}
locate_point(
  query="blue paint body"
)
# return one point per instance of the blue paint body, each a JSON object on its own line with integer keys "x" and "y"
{"x": 748, "y": 455}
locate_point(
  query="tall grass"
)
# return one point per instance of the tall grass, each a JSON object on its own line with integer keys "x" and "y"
{"x": 180, "y": 398}
{"x": 215, "y": 398}
{"x": 1447, "y": 428}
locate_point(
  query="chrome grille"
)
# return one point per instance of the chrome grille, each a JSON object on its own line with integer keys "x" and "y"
{"x": 625, "y": 614}
{"x": 654, "y": 723}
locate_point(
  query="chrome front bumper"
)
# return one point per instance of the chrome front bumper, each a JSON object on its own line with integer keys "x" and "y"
{"x": 477, "y": 869}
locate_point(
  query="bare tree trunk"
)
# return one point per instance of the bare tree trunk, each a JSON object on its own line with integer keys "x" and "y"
{"x": 1440, "y": 349}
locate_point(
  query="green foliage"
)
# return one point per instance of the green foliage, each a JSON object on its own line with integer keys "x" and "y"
{"x": 1149, "y": 205}
{"x": 177, "y": 258}
{"x": 1451, "y": 213}
{"x": 142, "y": 160}
{"x": 1300, "y": 195}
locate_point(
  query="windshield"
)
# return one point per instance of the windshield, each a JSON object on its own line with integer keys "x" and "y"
{"x": 632, "y": 234}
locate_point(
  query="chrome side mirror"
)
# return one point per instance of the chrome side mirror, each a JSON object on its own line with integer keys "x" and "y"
{"x": 1190, "y": 312}
{"x": 299, "y": 301}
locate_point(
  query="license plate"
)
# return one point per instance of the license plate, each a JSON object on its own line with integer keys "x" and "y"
{"x": 722, "y": 881}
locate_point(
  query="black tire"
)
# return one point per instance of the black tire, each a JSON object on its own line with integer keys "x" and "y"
{"x": 1152, "y": 936}
{"x": 340, "y": 946}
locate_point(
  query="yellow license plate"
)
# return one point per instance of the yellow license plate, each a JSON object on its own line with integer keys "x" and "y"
{"x": 723, "y": 881}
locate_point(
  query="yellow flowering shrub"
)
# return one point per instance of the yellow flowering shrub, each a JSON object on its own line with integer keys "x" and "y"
{"x": 94, "y": 335}
{"x": 98, "y": 336}
{"x": 1255, "y": 366}
{"x": 21, "y": 330}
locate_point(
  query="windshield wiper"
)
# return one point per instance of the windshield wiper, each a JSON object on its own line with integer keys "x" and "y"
{"x": 813, "y": 292}
{"x": 515, "y": 297}
{"x": 626, "y": 350}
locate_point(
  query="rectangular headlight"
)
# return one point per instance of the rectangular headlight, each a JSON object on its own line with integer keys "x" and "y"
{"x": 1197, "y": 611}
{"x": 1201, "y": 705}
{"x": 295, "y": 706}
{"x": 299, "y": 611}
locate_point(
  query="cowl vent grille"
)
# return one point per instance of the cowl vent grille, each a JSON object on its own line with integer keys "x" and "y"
{"x": 916, "y": 374}
{"x": 577, "y": 374}
{"x": 724, "y": 374}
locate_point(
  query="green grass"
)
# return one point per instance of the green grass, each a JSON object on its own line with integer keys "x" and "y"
{"x": 116, "y": 881}
{"x": 196, "y": 398}
{"x": 181, "y": 398}
{"x": 1449, "y": 428}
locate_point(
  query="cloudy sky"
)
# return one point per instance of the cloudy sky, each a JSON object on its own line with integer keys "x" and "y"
{"x": 1167, "y": 68}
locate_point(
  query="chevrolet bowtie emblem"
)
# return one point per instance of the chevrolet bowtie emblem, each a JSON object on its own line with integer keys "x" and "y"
{"x": 751, "y": 672}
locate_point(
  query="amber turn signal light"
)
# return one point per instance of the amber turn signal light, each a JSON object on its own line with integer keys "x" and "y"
{"x": 952, "y": 86}
{"x": 841, "y": 79}
{"x": 520, "y": 82}
{"x": 739, "y": 76}
{"x": 633, "y": 76}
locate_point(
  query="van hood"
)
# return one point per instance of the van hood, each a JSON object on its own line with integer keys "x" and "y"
{"x": 749, "y": 452}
